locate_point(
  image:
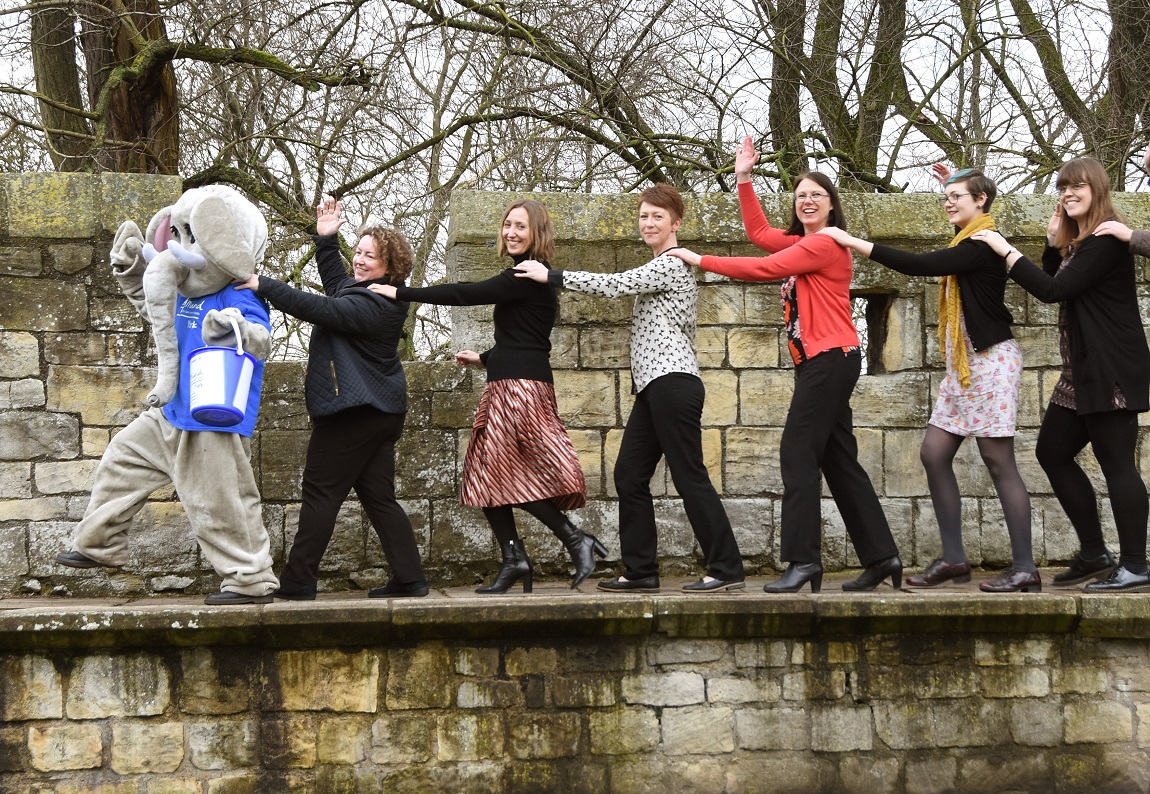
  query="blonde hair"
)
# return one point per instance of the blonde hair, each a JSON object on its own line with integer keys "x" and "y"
{"x": 394, "y": 252}
{"x": 1090, "y": 171}
{"x": 538, "y": 223}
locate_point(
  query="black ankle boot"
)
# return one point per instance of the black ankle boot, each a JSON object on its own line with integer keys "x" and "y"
{"x": 582, "y": 547}
{"x": 797, "y": 575}
{"x": 516, "y": 566}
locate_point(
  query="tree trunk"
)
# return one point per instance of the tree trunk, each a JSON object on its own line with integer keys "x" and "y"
{"x": 58, "y": 83}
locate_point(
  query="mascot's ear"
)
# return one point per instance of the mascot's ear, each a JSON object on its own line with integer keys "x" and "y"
{"x": 214, "y": 222}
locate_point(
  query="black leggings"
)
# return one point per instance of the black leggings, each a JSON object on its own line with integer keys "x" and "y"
{"x": 1113, "y": 437}
{"x": 502, "y": 519}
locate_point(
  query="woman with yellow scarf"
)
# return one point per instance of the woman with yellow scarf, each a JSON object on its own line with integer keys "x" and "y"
{"x": 979, "y": 396}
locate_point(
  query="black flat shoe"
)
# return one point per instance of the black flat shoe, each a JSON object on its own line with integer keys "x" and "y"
{"x": 228, "y": 598}
{"x": 1121, "y": 580}
{"x": 296, "y": 592}
{"x": 1013, "y": 580}
{"x": 74, "y": 559}
{"x": 873, "y": 576}
{"x": 1083, "y": 570}
{"x": 622, "y": 585}
{"x": 416, "y": 589}
{"x": 714, "y": 586}
{"x": 797, "y": 575}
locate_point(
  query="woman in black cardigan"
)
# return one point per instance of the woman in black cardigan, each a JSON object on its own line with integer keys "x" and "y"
{"x": 357, "y": 400}
{"x": 1105, "y": 379}
{"x": 979, "y": 396}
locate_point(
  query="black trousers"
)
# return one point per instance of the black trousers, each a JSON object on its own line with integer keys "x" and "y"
{"x": 819, "y": 436}
{"x": 1113, "y": 437}
{"x": 666, "y": 421}
{"x": 352, "y": 449}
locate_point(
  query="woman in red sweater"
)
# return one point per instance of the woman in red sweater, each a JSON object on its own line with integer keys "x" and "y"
{"x": 819, "y": 434}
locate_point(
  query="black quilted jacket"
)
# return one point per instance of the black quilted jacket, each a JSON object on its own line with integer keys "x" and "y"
{"x": 352, "y": 358}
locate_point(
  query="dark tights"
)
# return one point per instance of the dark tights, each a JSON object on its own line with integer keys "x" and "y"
{"x": 502, "y": 518}
{"x": 937, "y": 454}
{"x": 1113, "y": 437}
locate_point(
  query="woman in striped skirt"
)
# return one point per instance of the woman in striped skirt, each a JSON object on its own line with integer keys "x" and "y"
{"x": 520, "y": 454}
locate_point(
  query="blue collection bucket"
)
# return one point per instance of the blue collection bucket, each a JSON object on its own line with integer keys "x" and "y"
{"x": 220, "y": 379}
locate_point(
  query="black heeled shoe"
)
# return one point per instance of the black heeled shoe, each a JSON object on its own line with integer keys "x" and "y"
{"x": 516, "y": 566}
{"x": 797, "y": 575}
{"x": 582, "y": 547}
{"x": 873, "y": 576}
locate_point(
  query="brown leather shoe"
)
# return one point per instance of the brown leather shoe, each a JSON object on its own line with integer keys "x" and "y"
{"x": 940, "y": 572}
{"x": 1013, "y": 580}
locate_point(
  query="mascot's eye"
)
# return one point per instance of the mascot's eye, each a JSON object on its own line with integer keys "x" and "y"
{"x": 174, "y": 232}
{"x": 191, "y": 237}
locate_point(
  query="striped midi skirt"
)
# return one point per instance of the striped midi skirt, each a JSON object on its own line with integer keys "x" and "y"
{"x": 519, "y": 450}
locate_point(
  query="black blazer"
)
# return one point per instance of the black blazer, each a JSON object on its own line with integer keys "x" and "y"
{"x": 1107, "y": 343}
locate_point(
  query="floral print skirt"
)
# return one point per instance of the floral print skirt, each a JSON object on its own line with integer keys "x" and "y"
{"x": 989, "y": 407}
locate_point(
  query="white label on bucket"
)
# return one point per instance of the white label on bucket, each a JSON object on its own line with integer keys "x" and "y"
{"x": 207, "y": 377}
{"x": 244, "y": 386}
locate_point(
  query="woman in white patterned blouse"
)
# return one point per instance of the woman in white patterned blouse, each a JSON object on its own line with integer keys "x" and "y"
{"x": 666, "y": 419}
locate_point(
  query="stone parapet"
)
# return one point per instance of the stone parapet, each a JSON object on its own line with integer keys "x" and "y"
{"x": 75, "y": 362}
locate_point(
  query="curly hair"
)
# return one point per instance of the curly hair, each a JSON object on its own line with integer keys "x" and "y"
{"x": 394, "y": 252}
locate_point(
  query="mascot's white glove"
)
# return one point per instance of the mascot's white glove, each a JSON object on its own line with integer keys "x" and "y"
{"x": 217, "y": 331}
{"x": 127, "y": 250}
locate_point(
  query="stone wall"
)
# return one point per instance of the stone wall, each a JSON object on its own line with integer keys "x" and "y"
{"x": 916, "y": 694}
{"x": 75, "y": 363}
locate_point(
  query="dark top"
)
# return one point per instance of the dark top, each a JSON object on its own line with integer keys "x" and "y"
{"x": 352, "y": 359}
{"x": 524, "y": 315}
{"x": 1107, "y": 344}
{"x": 981, "y": 284}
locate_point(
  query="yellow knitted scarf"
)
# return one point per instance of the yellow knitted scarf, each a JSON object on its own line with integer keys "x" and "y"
{"x": 949, "y": 304}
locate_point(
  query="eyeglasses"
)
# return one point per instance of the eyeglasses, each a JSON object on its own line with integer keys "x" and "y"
{"x": 1074, "y": 188}
{"x": 952, "y": 198}
{"x": 816, "y": 196}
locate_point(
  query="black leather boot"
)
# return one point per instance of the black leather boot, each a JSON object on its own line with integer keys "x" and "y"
{"x": 582, "y": 548}
{"x": 516, "y": 566}
{"x": 797, "y": 575}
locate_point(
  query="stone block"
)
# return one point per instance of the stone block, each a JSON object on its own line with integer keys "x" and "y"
{"x": 42, "y": 305}
{"x": 419, "y": 678}
{"x": 13, "y": 551}
{"x": 535, "y": 735}
{"x": 19, "y": 355}
{"x": 777, "y": 773}
{"x": 903, "y": 347}
{"x": 576, "y": 308}
{"x": 33, "y": 689}
{"x": 1098, "y": 722}
{"x": 1142, "y": 712}
{"x": 223, "y": 745}
{"x": 931, "y": 775}
{"x": 754, "y": 525}
{"x": 482, "y": 662}
{"x": 213, "y": 682}
{"x": 469, "y": 737}
{"x": 892, "y": 401}
{"x": 743, "y": 690}
{"x": 604, "y": 347}
{"x": 20, "y": 261}
{"x": 698, "y": 730}
{"x": 1026, "y": 771}
{"x": 70, "y": 258}
{"x": 861, "y": 774}
{"x": 36, "y": 509}
{"x": 342, "y": 741}
{"x": 761, "y": 653}
{"x": 1016, "y": 682}
{"x": 531, "y": 661}
{"x": 400, "y": 739}
{"x": 751, "y": 469}
{"x": 101, "y": 395}
{"x": 323, "y": 680}
{"x": 764, "y": 396}
{"x": 58, "y": 748}
{"x": 452, "y": 410}
{"x": 623, "y": 731}
{"x": 721, "y": 304}
{"x": 753, "y": 348}
{"x": 93, "y": 441}
{"x": 489, "y": 694}
{"x": 967, "y": 723}
{"x": 460, "y": 534}
{"x": 1067, "y": 679}
{"x": 430, "y": 463}
{"x": 288, "y": 743}
{"x": 31, "y": 435}
{"x": 280, "y": 463}
{"x": 174, "y": 785}
{"x": 904, "y": 726}
{"x": 238, "y": 784}
{"x": 1036, "y": 723}
{"x": 711, "y": 347}
{"x": 586, "y": 399}
{"x": 142, "y": 748}
{"x": 65, "y": 477}
{"x": 135, "y": 196}
{"x": 686, "y": 652}
{"x": 840, "y": 730}
{"x": 721, "y": 408}
{"x": 583, "y": 691}
{"x": 18, "y": 394}
{"x": 773, "y": 729}
{"x": 989, "y": 652}
{"x": 15, "y": 480}
{"x": 117, "y": 685}
{"x": 666, "y": 689}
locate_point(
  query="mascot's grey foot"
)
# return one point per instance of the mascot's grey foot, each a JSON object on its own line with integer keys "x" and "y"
{"x": 227, "y": 598}
{"x": 74, "y": 559}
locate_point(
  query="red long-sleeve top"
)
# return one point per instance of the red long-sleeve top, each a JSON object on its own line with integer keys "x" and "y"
{"x": 821, "y": 266}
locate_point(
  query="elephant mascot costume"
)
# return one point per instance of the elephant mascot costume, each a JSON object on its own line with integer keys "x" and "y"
{"x": 179, "y": 277}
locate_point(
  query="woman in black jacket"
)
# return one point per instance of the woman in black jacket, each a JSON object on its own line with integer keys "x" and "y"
{"x": 357, "y": 400}
{"x": 978, "y": 398}
{"x": 1105, "y": 379}
{"x": 519, "y": 454}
